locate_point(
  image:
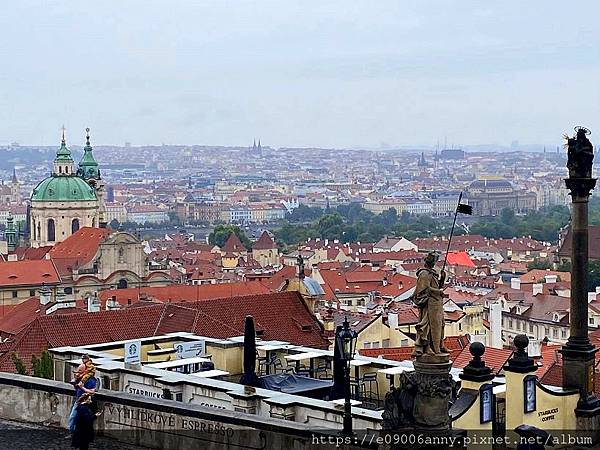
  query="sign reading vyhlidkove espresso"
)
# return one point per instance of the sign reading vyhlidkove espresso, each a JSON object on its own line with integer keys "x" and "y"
{"x": 125, "y": 417}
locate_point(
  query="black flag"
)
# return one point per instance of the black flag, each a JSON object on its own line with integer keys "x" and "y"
{"x": 464, "y": 209}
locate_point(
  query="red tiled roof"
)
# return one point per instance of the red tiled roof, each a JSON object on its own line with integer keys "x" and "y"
{"x": 537, "y": 275}
{"x": 264, "y": 242}
{"x": 184, "y": 293}
{"x": 280, "y": 316}
{"x": 362, "y": 282}
{"x": 28, "y": 273}
{"x": 455, "y": 344}
{"x": 32, "y": 252}
{"x": 24, "y": 313}
{"x": 78, "y": 249}
{"x": 460, "y": 259}
{"x": 495, "y": 358}
{"x": 593, "y": 241}
{"x": 233, "y": 245}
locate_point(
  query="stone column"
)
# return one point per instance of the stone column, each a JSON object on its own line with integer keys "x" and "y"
{"x": 578, "y": 353}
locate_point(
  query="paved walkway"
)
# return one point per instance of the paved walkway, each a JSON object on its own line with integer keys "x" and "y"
{"x": 19, "y": 436}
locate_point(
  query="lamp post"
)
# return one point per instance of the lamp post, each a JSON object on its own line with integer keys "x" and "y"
{"x": 346, "y": 341}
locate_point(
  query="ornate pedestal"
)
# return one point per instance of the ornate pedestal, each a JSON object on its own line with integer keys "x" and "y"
{"x": 433, "y": 394}
{"x": 419, "y": 406}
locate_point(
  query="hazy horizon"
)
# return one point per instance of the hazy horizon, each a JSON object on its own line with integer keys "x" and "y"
{"x": 299, "y": 74}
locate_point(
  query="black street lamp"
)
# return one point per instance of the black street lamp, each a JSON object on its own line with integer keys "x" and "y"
{"x": 346, "y": 341}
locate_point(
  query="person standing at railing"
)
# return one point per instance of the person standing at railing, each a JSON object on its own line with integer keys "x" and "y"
{"x": 83, "y": 432}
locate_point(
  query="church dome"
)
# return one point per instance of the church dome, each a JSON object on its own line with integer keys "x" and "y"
{"x": 63, "y": 189}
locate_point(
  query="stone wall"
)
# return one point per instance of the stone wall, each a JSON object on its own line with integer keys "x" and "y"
{"x": 155, "y": 423}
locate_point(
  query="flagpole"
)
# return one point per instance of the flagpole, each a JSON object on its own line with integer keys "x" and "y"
{"x": 451, "y": 232}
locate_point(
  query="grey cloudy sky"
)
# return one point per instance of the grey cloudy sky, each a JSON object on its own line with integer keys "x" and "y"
{"x": 299, "y": 73}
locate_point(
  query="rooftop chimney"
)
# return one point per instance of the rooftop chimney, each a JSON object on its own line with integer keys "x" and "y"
{"x": 496, "y": 325}
{"x": 551, "y": 278}
{"x": 112, "y": 304}
{"x": 45, "y": 295}
{"x": 393, "y": 320}
{"x": 538, "y": 288}
{"x": 93, "y": 304}
{"x": 515, "y": 283}
{"x": 591, "y": 296}
{"x": 534, "y": 349}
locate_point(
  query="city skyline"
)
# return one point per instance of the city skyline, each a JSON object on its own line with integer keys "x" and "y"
{"x": 216, "y": 74}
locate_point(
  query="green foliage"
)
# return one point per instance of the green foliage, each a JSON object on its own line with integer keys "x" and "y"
{"x": 542, "y": 225}
{"x": 305, "y": 213}
{"x": 540, "y": 263}
{"x": 593, "y": 273}
{"x": 43, "y": 367}
{"x": 19, "y": 365}
{"x": 352, "y": 223}
{"x": 220, "y": 234}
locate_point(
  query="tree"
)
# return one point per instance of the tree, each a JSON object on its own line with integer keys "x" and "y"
{"x": 19, "y": 365}
{"x": 43, "y": 367}
{"x": 539, "y": 263}
{"x": 174, "y": 218}
{"x": 221, "y": 233}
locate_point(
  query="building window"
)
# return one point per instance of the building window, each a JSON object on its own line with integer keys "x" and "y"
{"x": 15, "y": 294}
{"x": 367, "y": 345}
{"x": 531, "y": 328}
{"x": 376, "y": 344}
{"x": 546, "y": 331}
{"x": 404, "y": 343}
{"x": 32, "y": 292}
{"x": 74, "y": 225}
{"x": 563, "y": 333}
{"x": 385, "y": 343}
{"x": 591, "y": 321}
{"x": 51, "y": 230}
{"x": 122, "y": 284}
{"x": 510, "y": 323}
{"x": 555, "y": 333}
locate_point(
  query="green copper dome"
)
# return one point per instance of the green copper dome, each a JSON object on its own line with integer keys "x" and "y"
{"x": 63, "y": 189}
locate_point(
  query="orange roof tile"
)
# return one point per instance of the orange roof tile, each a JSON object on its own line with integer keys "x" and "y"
{"x": 78, "y": 249}
{"x": 28, "y": 273}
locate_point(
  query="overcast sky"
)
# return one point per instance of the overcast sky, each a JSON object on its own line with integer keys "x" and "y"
{"x": 299, "y": 73}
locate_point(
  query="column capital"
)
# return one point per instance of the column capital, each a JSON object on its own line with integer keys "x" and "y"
{"x": 580, "y": 187}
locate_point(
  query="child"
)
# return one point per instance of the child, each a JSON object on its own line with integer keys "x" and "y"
{"x": 84, "y": 372}
{"x": 78, "y": 374}
{"x": 89, "y": 371}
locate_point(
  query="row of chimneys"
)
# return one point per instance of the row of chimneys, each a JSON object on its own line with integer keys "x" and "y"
{"x": 515, "y": 283}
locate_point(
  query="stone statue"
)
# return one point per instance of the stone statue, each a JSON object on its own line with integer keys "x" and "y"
{"x": 580, "y": 153}
{"x": 429, "y": 298}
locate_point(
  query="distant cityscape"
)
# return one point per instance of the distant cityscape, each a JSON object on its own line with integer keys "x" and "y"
{"x": 258, "y": 186}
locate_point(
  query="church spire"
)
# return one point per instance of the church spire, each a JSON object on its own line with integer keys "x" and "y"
{"x": 88, "y": 167}
{"x": 14, "y": 177}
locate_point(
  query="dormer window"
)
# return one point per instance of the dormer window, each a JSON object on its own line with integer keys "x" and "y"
{"x": 555, "y": 317}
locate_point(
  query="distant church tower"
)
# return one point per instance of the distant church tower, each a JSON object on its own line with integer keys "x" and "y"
{"x": 89, "y": 171}
{"x": 256, "y": 149}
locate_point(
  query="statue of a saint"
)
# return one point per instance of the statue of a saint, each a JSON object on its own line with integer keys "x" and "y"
{"x": 580, "y": 154}
{"x": 429, "y": 298}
